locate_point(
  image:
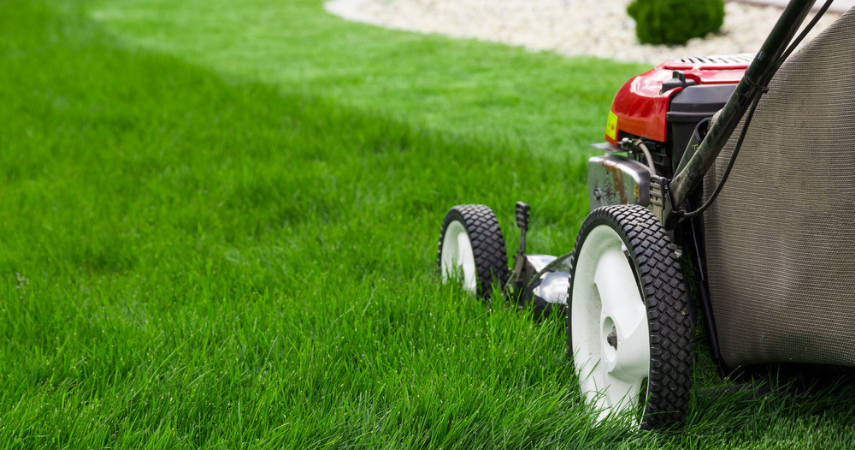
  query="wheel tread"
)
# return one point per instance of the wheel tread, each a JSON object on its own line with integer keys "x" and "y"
{"x": 488, "y": 245}
{"x": 669, "y": 383}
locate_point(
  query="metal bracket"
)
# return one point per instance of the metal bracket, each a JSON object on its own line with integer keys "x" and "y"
{"x": 662, "y": 202}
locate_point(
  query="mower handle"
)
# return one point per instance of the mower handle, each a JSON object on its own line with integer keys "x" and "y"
{"x": 757, "y": 76}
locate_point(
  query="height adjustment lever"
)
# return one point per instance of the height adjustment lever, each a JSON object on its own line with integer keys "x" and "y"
{"x": 522, "y": 215}
{"x": 516, "y": 281}
{"x": 522, "y": 222}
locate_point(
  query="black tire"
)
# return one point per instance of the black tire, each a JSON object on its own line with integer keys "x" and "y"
{"x": 658, "y": 276}
{"x": 487, "y": 243}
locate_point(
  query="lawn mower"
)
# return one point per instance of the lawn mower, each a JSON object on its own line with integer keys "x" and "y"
{"x": 769, "y": 259}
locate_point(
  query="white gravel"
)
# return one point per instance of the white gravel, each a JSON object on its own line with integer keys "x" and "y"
{"x": 570, "y": 27}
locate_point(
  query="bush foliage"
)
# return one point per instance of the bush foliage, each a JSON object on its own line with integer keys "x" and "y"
{"x": 675, "y": 21}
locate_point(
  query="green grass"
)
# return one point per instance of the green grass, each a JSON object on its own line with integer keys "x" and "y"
{"x": 548, "y": 103}
{"x": 232, "y": 245}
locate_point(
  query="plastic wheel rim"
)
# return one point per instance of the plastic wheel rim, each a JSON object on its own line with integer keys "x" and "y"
{"x": 458, "y": 259}
{"x": 610, "y": 333}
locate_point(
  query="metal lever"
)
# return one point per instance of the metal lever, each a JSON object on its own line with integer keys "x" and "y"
{"x": 514, "y": 281}
{"x": 522, "y": 222}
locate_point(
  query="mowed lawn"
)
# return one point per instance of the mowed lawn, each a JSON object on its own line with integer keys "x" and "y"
{"x": 218, "y": 226}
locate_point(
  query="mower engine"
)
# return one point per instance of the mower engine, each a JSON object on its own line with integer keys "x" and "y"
{"x": 658, "y": 112}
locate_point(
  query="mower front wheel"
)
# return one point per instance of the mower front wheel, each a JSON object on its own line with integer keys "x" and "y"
{"x": 628, "y": 329}
{"x": 472, "y": 250}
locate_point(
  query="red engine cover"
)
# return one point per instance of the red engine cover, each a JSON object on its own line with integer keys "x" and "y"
{"x": 640, "y": 106}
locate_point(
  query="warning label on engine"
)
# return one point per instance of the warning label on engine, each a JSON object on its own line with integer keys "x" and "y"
{"x": 611, "y": 126}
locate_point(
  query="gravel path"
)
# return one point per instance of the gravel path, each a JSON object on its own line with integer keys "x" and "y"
{"x": 570, "y": 27}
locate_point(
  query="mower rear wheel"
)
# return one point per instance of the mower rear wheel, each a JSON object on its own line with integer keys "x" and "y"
{"x": 628, "y": 326}
{"x": 472, "y": 249}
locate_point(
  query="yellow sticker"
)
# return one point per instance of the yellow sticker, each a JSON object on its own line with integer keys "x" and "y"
{"x": 611, "y": 126}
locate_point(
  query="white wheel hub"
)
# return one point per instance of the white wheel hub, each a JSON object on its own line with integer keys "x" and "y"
{"x": 610, "y": 332}
{"x": 458, "y": 259}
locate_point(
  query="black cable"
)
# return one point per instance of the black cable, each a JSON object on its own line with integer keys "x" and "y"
{"x": 730, "y": 163}
{"x": 762, "y": 90}
{"x": 803, "y": 34}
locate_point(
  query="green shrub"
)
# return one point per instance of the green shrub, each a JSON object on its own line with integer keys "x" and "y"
{"x": 675, "y": 21}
